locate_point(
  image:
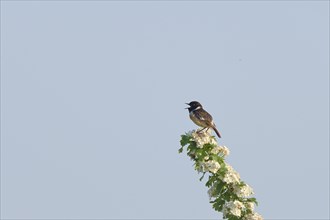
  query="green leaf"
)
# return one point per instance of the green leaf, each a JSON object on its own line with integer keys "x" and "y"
{"x": 200, "y": 179}
{"x": 185, "y": 139}
{"x": 211, "y": 180}
{"x": 218, "y": 204}
{"x": 252, "y": 200}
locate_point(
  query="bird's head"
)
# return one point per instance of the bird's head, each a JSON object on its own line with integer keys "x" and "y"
{"x": 194, "y": 105}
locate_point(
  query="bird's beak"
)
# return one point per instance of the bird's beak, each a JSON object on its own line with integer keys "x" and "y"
{"x": 187, "y": 104}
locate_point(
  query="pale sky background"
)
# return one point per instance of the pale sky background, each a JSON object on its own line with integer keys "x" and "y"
{"x": 92, "y": 106}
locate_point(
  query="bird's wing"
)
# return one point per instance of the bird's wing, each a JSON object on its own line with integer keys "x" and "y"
{"x": 204, "y": 116}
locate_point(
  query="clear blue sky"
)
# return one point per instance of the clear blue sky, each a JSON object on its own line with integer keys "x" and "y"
{"x": 92, "y": 105}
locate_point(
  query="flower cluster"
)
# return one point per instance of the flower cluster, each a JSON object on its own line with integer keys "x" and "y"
{"x": 210, "y": 165}
{"x": 233, "y": 208}
{"x": 243, "y": 190}
{"x": 202, "y": 138}
{"x": 231, "y": 176}
{"x": 252, "y": 216}
{"x": 223, "y": 150}
{"x": 227, "y": 192}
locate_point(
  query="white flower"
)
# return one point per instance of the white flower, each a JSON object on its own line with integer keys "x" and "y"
{"x": 249, "y": 206}
{"x": 243, "y": 191}
{"x": 216, "y": 150}
{"x": 220, "y": 149}
{"x": 253, "y": 216}
{"x": 238, "y": 204}
{"x": 202, "y": 138}
{"x": 212, "y": 166}
{"x": 233, "y": 207}
{"x": 236, "y": 211}
{"x": 225, "y": 151}
{"x": 231, "y": 175}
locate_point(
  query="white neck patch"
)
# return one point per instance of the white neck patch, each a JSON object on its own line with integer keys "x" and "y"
{"x": 199, "y": 107}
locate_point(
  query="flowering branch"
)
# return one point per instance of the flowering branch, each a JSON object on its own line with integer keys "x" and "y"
{"x": 227, "y": 192}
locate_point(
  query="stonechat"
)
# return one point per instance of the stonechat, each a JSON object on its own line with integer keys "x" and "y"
{"x": 201, "y": 117}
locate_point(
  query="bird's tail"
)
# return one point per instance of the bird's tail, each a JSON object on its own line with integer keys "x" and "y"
{"x": 216, "y": 131}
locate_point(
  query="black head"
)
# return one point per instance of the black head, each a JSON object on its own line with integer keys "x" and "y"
{"x": 194, "y": 105}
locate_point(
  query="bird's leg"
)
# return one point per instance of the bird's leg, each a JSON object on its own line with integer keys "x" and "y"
{"x": 201, "y": 130}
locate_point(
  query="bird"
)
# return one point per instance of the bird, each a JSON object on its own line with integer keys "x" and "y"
{"x": 201, "y": 117}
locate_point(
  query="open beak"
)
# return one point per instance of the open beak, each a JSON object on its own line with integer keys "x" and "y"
{"x": 187, "y": 104}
